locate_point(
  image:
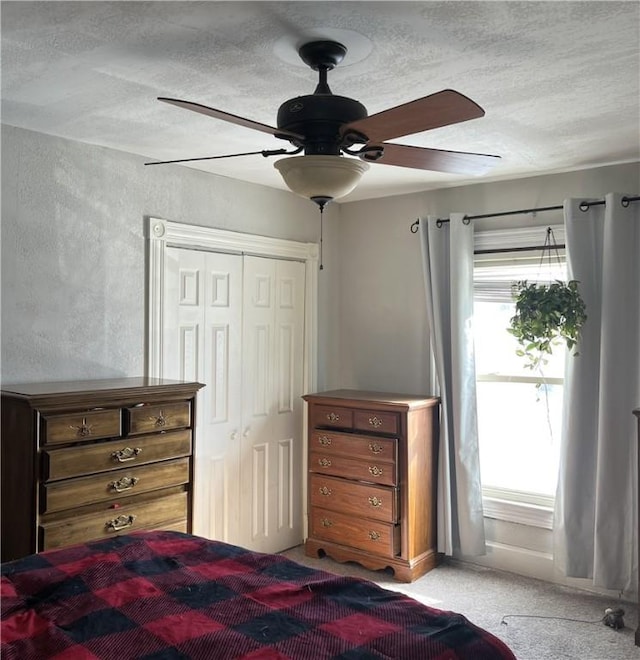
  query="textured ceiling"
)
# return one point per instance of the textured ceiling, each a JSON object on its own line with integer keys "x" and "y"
{"x": 559, "y": 81}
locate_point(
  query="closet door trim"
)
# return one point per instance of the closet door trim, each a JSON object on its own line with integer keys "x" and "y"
{"x": 162, "y": 234}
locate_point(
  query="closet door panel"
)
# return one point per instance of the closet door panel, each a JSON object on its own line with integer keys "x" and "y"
{"x": 183, "y": 341}
{"x": 202, "y": 340}
{"x": 222, "y": 409}
{"x": 272, "y": 385}
{"x": 287, "y": 421}
{"x": 258, "y": 365}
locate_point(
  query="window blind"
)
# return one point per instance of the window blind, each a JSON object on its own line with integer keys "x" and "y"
{"x": 493, "y": 278}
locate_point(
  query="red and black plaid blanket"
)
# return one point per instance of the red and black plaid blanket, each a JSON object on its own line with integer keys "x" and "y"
{"x": 167, "y": 595}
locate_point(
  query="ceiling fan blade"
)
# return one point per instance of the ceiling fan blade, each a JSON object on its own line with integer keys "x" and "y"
{"x": 264, "y": 152}
{"x": 437, "y": 160}
{"x": 439, "y": 109}
{"x": 234, "y": 119}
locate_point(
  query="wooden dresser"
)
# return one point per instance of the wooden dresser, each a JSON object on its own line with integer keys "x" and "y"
{"x": 372, "y": 475}
{"x": 87, "y": 460}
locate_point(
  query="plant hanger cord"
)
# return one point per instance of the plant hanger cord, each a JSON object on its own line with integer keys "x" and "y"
{"x": 549, "y": 245}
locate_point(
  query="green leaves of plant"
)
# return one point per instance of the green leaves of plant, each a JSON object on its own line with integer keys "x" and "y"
{"x": 546, "y": 315}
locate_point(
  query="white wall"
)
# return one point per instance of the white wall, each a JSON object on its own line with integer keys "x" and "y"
{"x": 73, "y": 250}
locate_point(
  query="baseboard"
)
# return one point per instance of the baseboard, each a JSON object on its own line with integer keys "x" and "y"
{"x": 522, "y": 561}
{"x": 538, "y": 565}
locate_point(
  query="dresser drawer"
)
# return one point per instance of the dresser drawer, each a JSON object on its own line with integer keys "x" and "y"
{"x": 115, "y": 485}
{"x": 167, "y": 511}
{"x": 146, "y": 419}
{"x": 102, "y": 456}
{"x": 376, "y": 421}
{"x": 370, "y": 535}
{"x": 372, "y": 471}
{"x": 364, "y": 500}
{"x": 332, "y": 416}
{"x": 354, "y": 446}
{"x": 75, "y": 427}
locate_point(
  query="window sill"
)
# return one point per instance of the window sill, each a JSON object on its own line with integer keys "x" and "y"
{"x": 522, "y": 513}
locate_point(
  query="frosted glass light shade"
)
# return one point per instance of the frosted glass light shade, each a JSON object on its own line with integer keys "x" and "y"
{"x": 321, "y": 176}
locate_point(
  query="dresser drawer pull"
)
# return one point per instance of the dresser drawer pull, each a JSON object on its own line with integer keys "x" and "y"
{"x": 374, "y": 536}
{"x": 126, "y": 483}
{"x": 375, "y": 422}
{"x": 375, "y": 470}
{"x": 375, "y": 501}
{"x": 84, "y": 429}
{"x": 324, "y": 462}
{"x": 126, "y": 454}
{"x": 324, "y": 490}
{"x": 121, "y": 522}
{"x": 332, "y": 417}
{"x": 325, "y": 522}
{"x": 324, "y": 440}
{"x": 375, "y": 447}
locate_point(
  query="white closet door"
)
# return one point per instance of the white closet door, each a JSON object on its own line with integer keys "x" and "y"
{"x": 236, "y": 323}
{"x": 203, "y": 328}
{"x": 273, "y": 331}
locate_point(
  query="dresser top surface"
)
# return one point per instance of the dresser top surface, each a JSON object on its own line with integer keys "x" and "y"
{"x": 366, "y": 396}
{"x": 79, "y": 386}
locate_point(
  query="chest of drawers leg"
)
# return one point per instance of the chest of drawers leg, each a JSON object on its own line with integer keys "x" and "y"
{"x": 372, "y": 464}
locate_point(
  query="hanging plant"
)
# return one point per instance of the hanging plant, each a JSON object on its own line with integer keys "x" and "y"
{"x": 546, "y": 315}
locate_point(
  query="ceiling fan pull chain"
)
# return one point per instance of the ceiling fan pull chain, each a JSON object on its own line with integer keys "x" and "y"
{"x": 321, "y": 221}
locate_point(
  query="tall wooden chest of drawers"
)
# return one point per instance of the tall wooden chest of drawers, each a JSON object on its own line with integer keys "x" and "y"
{"x": 87, "y": 460}
{"x": 372, "y": 464}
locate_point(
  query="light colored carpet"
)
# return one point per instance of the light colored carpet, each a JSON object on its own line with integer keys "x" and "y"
{"x": 487, "y": 596}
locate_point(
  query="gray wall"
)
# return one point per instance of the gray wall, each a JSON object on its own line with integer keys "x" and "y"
{"x": 73, "y": 257}
{"x": 74, "y": 272}
{"x": 73, "y": 250}
{"x": 383, "y": 325}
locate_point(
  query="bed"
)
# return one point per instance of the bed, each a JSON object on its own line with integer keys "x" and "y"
{"x": 169, "y": 595}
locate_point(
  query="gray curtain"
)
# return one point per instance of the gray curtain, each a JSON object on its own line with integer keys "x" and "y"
{"x": 595, "y": 527}
{"x": 447, "y": 256}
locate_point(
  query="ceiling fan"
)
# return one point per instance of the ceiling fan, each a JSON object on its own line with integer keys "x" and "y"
{"x": 325, "y": 126}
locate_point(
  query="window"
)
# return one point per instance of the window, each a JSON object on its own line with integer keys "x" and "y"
{"x": 519, "y": 420}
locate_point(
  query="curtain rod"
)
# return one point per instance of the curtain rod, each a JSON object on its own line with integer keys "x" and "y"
{"x": 584, "y": 206}
{"x": 524, "y": 248}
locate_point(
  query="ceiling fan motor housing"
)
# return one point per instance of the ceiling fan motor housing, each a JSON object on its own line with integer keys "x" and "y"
{"x": 318, "y": 117}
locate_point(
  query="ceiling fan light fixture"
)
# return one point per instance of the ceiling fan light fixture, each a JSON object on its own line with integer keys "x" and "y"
{"x": 315, "y": 176}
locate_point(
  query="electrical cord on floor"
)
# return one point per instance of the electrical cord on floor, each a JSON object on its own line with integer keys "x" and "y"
{"x": 613, "y": 617}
